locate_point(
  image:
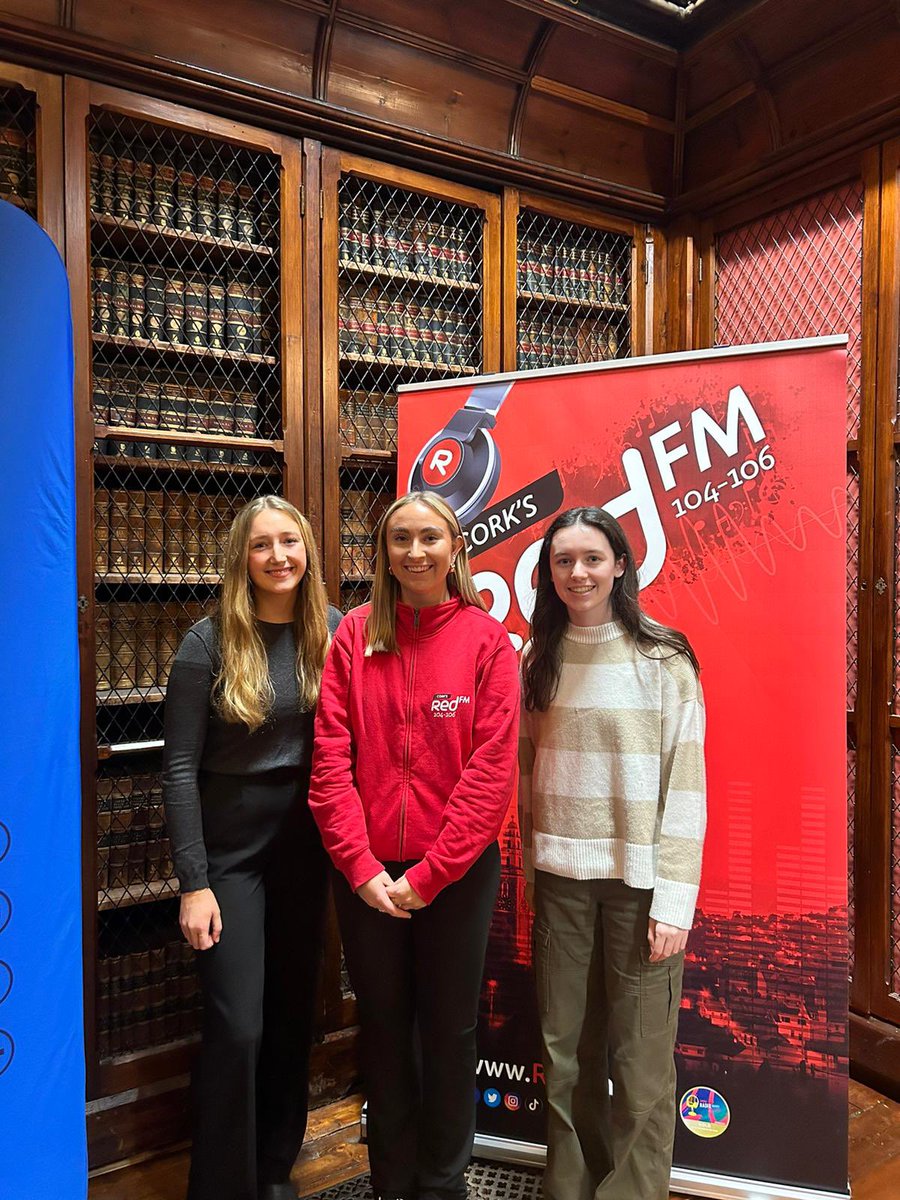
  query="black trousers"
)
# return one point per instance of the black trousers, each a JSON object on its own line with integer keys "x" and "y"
{"x": 417, "y": 983}
{"x": 269, "y": 874}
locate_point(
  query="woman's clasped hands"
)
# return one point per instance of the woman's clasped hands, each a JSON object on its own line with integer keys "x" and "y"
{"x": 397, "y": 898}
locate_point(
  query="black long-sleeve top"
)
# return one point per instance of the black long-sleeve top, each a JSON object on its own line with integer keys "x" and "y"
{"x": 198, "y": 739}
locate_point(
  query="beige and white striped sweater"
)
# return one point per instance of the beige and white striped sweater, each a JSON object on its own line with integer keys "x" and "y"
{"x": 612, "y": 780}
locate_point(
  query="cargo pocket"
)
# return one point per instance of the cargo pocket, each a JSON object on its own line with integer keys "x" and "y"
{"x": 540, "y": 936}
{"x": 659, "y": 1001}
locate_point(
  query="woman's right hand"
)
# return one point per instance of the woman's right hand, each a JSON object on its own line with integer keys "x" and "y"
{"x": 374, "y": 893}
{"x": 200, "y": 919}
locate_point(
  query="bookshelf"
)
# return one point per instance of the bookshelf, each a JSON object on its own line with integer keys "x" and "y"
{"x": 411, "y": 279}
{"x": 185, "y": 310}
{"x": 31, "y": 145}
{"x": 574, "y": 284}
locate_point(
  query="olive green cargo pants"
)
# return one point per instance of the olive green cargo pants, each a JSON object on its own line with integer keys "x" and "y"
{"x": 607, "y": 1014}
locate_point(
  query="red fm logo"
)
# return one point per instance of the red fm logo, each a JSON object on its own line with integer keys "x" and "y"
{"x": 443, "y": 706}
{"x": 443, "y": 462}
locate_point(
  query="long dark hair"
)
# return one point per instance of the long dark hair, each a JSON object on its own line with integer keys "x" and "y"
{"x": 543, "y": 659}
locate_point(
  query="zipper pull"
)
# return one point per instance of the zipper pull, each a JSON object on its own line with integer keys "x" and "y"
{"x": 416, "y": 620}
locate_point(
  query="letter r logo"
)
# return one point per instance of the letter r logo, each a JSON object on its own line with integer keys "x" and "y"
{"x": 443, "y": 462}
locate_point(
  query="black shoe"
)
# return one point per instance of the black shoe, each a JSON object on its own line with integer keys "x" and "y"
{"x": 277, "y": 1191}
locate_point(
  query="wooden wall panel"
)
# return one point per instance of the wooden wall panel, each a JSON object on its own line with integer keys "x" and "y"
{"x": 861, "y": 73}
{"x": 357, "y": 73}
{"x": 612, "y": 70}
{"x": 418, "y": 90}
{"x": 784, "y": 85}
{"x": 778, "y": 36}
{"x": 736, "y": 138}
{"x": 35, "y": 10}
{"x": 717, "y": 73}
{"x": 269, "y": 44}
{"x": 493, "y": 31}
{"x": 578, "y": 139}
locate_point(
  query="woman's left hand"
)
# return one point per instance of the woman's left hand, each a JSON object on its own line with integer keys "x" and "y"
{"x": 404, "y": 895}
{"x": 665, "y": 940}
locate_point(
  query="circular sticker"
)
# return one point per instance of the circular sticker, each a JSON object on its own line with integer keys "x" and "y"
{"x": 7, "y": 1050}
{"x": 4, "y": 841}
{"x": 443, "y": 461}
{"x": 5, "y": 910}
{"x": 705, "y": 1112}
{"x": 6, "y": 980}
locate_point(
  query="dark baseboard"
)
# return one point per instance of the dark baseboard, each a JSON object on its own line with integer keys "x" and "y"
{"x": 875, "y": 1054}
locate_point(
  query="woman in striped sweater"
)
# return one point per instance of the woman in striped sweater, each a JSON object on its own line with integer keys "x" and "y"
{"x": 612, "y": 812}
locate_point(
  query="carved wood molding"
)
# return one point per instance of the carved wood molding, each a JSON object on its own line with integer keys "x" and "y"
{"x": 322, "y": 52}
{"x": 761, "y": 90}
{"x": 611, "y": 108}
{"x": 541, "y": 40}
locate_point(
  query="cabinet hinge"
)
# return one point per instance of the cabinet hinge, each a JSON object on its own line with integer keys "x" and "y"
{"x": 321, "y": 205}
{"x": 302, "y": 200}
{"x": 699, "y": 268}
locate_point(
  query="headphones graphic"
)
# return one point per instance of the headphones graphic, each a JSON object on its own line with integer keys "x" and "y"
{"x": 461, "y": 462}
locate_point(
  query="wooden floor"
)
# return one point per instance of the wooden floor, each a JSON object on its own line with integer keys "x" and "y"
{"x": 332, "y": 1154}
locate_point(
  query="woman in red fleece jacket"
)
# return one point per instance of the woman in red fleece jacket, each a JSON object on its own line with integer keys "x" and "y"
{"x": 413, "y": 771}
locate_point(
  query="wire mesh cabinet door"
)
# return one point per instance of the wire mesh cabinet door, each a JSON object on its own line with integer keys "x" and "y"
{"x": 411, "y": 286}
{"x": 184, "y": 244}
{"x": 31, "y": 142}
{"x": 574, "y": 285}
{"x": 410, "y": 291}
{"x": 802, "y": 271}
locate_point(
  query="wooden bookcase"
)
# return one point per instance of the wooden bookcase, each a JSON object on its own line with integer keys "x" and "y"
{"x": 410, "y": 290}
{"x": 31, "y": 146}
{"x": 574, "y": 284}
{"x": 184, "y": 242}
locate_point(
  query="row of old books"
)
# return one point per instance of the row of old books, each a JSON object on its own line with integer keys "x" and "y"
{"x": 403, "y": 333}
{"x": 169, "y": 195}
{"x": 148, "y": 998}
{"x": 137, "y": 642}
{"x": 154, "y": 533}
{"x": 553, "y": 345}
{"x": 357, "y": 556}
{"x": 368, "y": 420}
{"x": 418, "y": 244}
{"x": 16, "y": 167}
{"x": 361, "y": 511}
{"x": 177, "y": 404}
{"x": 222, "y": 313}
{"x": 132, "y": 844}
{"x": 562, "y": 270}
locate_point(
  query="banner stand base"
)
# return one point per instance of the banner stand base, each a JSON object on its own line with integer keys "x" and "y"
{"x": 727, "y": 1187}
{"x": 691, "y": 1183}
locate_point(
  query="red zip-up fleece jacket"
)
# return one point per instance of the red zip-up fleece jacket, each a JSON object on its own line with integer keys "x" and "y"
{"x": 414, "y": 754}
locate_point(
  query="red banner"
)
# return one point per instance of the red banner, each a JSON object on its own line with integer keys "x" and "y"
{"x": 726, "y": 468}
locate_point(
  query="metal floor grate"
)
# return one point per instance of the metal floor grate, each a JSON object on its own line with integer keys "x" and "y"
{"x": 487, "y": 1181}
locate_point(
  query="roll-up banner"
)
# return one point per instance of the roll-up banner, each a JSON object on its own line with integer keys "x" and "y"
{"x": 726, "y": 468}
{"x": 42, "y": 1131}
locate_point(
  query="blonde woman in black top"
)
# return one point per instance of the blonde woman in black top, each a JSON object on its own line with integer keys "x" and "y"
{"x": 251, "y": 869}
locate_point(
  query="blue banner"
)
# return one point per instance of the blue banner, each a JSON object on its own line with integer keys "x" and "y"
{"x": 42, "y": 1130}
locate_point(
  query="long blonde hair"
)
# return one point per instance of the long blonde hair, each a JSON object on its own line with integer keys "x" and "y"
{"x": 381, "y": 623}
{"x": 243, "y": 692}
